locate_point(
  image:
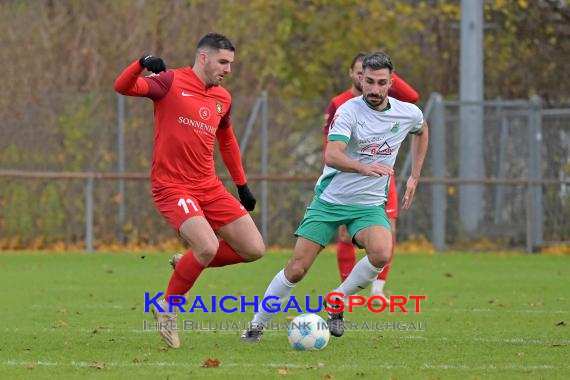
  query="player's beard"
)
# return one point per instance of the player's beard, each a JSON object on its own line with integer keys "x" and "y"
{"x": 214, "y": 78}
{"x": 376, "y": 101}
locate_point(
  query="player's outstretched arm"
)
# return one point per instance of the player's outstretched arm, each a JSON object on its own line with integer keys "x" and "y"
{"x": 336, "y": 158}
{"x": 420, "y": 143}
{"x": 131, "y": 84}
{"x": 402, "y": 90}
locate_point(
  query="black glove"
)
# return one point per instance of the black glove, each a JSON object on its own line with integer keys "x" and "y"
{"x": 152, "y": 63}
{"x": 246, "y": 197}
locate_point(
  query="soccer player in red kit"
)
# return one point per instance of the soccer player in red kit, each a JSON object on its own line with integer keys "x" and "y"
{"x": 191, "y": 113}
{"x": 345, "y": 249}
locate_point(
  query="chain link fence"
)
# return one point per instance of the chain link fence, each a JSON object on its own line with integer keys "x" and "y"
{"x": 70, "y": 135}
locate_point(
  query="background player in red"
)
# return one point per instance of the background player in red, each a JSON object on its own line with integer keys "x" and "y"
{"x": 346, "y": 252}
{"x": 191, "y": 112}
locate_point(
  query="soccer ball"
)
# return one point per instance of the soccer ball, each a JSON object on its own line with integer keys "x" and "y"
{"x": 308, "y": 332}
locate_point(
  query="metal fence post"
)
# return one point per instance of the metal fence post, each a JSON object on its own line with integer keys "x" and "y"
{"x": 249, "y": 126}
{"x": 89, "y": 214}
{"x": 121, "y": 165}
{"x": 264, "y": 166}
{"x": 500, "y": 168}
{"x": 471, "y": 89}
{"x": 535, "y": 222}
{"x": 438, "y": 156}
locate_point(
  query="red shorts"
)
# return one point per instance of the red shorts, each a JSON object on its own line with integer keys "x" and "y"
{"x": 392, "y": 202}
{"x": 217, "y": 205}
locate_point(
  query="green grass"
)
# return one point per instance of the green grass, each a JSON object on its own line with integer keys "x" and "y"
{"x": 487, "y": 316}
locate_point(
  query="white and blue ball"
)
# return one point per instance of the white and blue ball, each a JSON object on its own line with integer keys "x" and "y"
{"x": 308, "y": 332}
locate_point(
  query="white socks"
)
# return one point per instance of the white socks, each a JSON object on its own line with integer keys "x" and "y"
{"x": 361, "y": 276}
{"x": 279, "y": 287}
{"x": 378, "y": 286}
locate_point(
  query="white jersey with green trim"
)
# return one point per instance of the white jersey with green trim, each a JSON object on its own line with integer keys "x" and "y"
{"x": 372, "y": 136}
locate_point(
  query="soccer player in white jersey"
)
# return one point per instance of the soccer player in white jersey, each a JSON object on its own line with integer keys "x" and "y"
{"x": 364, "y": 140}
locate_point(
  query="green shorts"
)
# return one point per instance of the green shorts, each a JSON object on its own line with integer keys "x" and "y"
{"x": 322, "y": 219}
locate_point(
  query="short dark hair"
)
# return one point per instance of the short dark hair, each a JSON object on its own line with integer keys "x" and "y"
{"x": 358, "y": 58}
{"x": 377, "y": 61}
{"x": 215, "y": 41}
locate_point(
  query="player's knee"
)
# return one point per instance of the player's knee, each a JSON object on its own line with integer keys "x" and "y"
{"x": 379, "y": 255}
{"x": 207, "y": 251}
{"x": 295, "y": 271}
{"x": 344, "y": 235}
{"x": 345, "y": 238}
{"x": 255, "y": 251}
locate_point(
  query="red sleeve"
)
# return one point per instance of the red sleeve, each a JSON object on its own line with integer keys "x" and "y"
{"x": 154, "y": 86}
{"x": 229, "y": 149}
{"x": 402, "y": 91}
{"x": 226, "y": 121}
{"x": 331, "y": 110}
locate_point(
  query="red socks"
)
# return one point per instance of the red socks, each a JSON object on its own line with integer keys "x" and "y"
{"x": 188, "y": 269}
{"x": 346, "y": 258}
{"x": 226, "y": 255}
{"x": 384, "y": 274}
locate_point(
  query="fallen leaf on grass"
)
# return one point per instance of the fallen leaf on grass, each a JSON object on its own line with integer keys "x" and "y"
{"x": 31, "y": 366}
{"x": 58, "y": 324}
{"x": 561, "y": 323}
{"x": 211, "y": 363}
{"x": 283, "y": 371}
{"x": 98, "y": 365}
{"x": 448, "y": 275}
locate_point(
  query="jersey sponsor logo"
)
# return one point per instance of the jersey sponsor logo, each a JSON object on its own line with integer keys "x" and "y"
{"x": 377, "y": 149}
{"x": 186, "y": 94}
{"x": 204, "y": 113}
{"x": 219, "y": 108}
{"x": 198, "y": 126}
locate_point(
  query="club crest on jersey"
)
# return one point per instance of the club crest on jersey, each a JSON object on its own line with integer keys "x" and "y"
{"x": 395, "y": 127}
{"x": 204, "y": 113}
{"x": 219, "y": 108}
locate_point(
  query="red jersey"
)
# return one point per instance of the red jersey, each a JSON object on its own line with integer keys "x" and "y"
{"x": 188, "y": 119}
{"x": 399, "y": 90}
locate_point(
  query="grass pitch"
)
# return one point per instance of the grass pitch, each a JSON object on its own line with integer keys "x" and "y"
{"x": 487, "y": 316}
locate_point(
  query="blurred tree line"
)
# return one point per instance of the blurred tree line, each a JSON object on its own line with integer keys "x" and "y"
{"x": 60, "y": 59}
